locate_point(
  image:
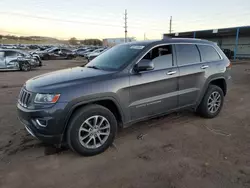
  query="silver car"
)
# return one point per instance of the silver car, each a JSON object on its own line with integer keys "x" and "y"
{"x": 17, "y": 60}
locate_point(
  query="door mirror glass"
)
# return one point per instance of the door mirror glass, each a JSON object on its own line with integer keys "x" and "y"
{"x": 144, "y": 65}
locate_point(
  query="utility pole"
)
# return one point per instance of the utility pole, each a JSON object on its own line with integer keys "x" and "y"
{"x": 126, "y": 26}
{"x": 170, "y": 25}
{"x": 144, "y": 36}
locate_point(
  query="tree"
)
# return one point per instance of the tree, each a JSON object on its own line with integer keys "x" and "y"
{"x": 91, "y": 42}
{"x": 73, "y": 41}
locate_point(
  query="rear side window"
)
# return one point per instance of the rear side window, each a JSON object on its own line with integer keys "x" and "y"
{"x": 187, "y": 54}
{"x": 208, "y": 53}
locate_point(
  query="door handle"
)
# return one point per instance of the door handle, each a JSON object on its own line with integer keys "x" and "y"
{"x": 204, "y": 66}
{"x": 171, "y": 72}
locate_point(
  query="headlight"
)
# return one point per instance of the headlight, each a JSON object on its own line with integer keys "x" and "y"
{"x": 46, "y": 98}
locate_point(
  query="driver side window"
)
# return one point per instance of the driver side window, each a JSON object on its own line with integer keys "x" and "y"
{"x": 161, "y": 56}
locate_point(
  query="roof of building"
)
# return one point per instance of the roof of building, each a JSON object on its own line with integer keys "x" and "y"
{"x": 210, "y": 33}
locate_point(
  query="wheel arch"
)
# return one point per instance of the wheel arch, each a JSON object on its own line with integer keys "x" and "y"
{"x": 218, "y": 81}
{"x": 107, "y": 102}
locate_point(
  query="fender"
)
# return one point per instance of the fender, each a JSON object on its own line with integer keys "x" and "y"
{"x": 205, "y": 87}
{"x": 81, "y": 103}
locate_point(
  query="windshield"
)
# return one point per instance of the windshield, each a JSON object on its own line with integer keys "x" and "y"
{"x": 116, "y": 57}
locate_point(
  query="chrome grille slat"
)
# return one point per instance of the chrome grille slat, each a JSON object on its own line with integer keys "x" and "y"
{"x": 24, "y": 98}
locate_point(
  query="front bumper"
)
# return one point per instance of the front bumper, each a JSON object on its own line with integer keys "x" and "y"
{"x": 55, "y": 122}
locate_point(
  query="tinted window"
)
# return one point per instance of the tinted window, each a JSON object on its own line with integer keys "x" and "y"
{"x": 161, "y": 56}
{"x": 11, "y": 53}
{"x": 208, "y": 53}
{"x": 116, "y": 57}
{"x": 187, "y": 54}
{"x": 65, "y": 51}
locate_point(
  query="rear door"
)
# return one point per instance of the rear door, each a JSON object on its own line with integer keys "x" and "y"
{"x": 155, "y": 91}
{"x": 192, "y": 73}
{"x": 2, "y": 59}
{"x": 211, "y": 60}
{"x": 10, "y": 56}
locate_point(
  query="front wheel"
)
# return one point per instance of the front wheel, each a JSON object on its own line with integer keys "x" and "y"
{"x": 91, "y": 130}
{"x": 25, "y": 66}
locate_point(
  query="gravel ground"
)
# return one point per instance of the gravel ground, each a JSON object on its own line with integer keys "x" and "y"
{"x": 180, "y": 150}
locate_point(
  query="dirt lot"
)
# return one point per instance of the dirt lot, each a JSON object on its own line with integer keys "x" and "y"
{"x": 180, "y": 150}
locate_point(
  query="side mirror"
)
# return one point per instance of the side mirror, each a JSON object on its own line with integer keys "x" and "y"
{"x": 144, "y": 65}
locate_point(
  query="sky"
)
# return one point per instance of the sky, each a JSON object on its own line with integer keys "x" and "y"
{"x": 100, "y": 19}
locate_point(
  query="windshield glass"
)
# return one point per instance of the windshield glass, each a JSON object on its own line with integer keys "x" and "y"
{"x": 116, "y": 57}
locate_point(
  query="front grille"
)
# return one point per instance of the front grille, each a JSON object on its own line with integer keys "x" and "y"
{"x": 24, "y": 98}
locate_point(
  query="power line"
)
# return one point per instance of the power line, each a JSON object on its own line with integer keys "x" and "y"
{"x": 60, "y": 20}
{"x": 75, "y": 21}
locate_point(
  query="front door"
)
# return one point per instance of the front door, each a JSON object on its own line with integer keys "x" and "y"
{"x": 2, "y": 60}
{"x": 154, "y": 92}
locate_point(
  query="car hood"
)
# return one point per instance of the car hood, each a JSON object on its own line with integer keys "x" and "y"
{"x": 54, "y": 81}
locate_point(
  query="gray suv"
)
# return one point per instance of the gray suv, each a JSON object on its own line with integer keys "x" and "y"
{"x": 84, "y": 106}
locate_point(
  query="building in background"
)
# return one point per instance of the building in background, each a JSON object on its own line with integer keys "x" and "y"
{"x": 235, "y": 40}
{"x": 114, "y": 41}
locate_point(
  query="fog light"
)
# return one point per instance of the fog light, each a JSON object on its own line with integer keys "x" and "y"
{"x": 41, "y": 122}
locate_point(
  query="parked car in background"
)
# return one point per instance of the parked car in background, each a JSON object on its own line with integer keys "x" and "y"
{"x": 131, "y": 82}
{"x": 78, "y": 51}
{"x": 95, "y": 53}
{"x": 55, "y": 53}
{"x": 85, "y": 53}
{"x": 37, "y": 57}
{"x": 17, "y": 60}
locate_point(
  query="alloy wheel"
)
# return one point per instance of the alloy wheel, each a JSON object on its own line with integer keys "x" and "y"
{"x": 94, "y": 132}
{"x": 214, "y": 102}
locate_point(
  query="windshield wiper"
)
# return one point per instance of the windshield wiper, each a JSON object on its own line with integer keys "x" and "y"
{"x": 93, "y": 67}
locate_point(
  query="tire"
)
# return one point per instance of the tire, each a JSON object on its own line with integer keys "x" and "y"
{"x": 46, "y": 57}
{"x": 40, "y": 63}
{"x": 204, "y": 109}
{"x": 25, "y": 66}
{"x": 79, "y": 119}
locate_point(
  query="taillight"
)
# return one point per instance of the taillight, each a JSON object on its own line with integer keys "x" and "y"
{"x": 229, "y": 66}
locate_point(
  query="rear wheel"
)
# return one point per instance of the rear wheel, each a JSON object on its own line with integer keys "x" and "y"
{"x": 212, "y": 102}
{"x": 92, "y": 130}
